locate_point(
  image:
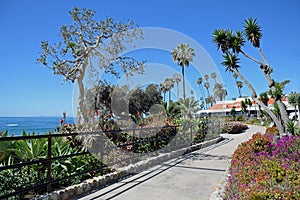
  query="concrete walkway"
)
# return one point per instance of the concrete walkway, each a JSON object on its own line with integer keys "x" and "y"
{"x": 192, "y": 176}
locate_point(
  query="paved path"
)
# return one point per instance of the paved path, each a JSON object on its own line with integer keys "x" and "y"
{"x": 192, "y": 176}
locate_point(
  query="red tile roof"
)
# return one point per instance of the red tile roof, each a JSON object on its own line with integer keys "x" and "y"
{"x": 237, "y": 104}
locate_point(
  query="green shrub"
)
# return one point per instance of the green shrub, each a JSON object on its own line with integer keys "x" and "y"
{"x": 19, "y": 151}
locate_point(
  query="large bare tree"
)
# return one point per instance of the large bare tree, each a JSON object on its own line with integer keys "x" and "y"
{"x": 88, "y": 42}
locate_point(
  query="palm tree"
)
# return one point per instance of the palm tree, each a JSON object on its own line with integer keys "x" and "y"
{"x": 177, "y": 79}
{"x": 231, "y": 62}
{"x": 169, "y": 83}
{"x": 294, "y": 99}
{"x": 183, "y": 54}
{"x": 244, "y": 108}
{"x": 226, "y": 41}
{"x": 207, "y": 85}
{"x": 298, "y": 104}
{"x": 199, "y": 82}
{"x": 239, "y": 85}
{"x": 220, "y": 38}
{"x": 263, "y": 97}
{"x": 163, "y": 89}
{"x": 249, "y": 103}
{"x": 209, "y": 100}
{"x": 206, "y": 77}
{"x": 235, "y": 76}
{"x": 219, "y": 91}
{"x": 190, "y": 105}
{"x": 171, "y": 111}
{"x": 213, "y": 75}
{"x": 253, "y": 33}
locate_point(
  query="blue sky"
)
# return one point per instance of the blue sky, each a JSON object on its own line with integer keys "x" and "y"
{"x": 30, "y": 89}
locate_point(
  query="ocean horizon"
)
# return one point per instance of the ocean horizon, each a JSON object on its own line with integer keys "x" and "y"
{"x": 38, "y": 124}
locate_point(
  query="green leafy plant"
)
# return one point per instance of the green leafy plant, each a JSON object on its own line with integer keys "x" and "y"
{"x": 27, "y": 150}
{"x": 291, "y": 127}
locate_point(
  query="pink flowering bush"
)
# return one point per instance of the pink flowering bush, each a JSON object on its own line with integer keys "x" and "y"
{"x": 263, "y": 168}
{"x": 233, "y": 127}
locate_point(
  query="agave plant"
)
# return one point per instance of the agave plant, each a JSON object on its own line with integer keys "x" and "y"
{"x": 27, "y": 150}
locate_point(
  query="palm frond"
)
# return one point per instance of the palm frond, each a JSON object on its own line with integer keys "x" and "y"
{"x": 253, "y": 31}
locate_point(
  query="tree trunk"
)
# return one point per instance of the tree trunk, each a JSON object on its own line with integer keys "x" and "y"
{"x": 283, "y": 112}
{"x": 82, "y": 114}
{"x": 254, "y": 96}
{"x": 183, "y": 82}
{"x": 298, "y": 113}
{"x": 282, "y": 109}
{"x": 177, "y": 91}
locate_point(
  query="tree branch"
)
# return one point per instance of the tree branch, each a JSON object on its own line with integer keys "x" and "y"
{"x": 251, "y": 58}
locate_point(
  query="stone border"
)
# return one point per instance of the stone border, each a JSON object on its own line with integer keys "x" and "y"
{"x": 218, "y": 194}
{"x": 121, "y": 173}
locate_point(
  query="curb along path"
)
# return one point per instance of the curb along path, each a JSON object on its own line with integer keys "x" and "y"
{"x": 191, "y": 176}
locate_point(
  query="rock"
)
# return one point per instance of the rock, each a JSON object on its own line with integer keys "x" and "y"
{"x": 54, "y": 196}
{"x": 79, "y": 191}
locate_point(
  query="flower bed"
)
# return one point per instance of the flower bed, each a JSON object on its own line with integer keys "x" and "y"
{"x": 263, "y": 168}
{"x": 233, "y": 127}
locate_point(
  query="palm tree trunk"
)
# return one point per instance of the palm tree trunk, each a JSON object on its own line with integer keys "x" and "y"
{"x": 177, "y": 90}
{"x": 251, "y": 58}
{"x": 254, "y": 96}
{"x": 282, "y": 109}
{"x": 263, "y": 56}
{"x": 202, "y": 93}
{"x": 239, "y": 92}
{"x": 183, "y": 82}
{"x": 299, "y": 113}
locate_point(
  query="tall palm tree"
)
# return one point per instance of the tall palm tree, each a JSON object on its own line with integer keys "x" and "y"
{"x": 235, "y": 76}
{"x": 209, "y": 100}
{"x": 219, "y": 91}
{"x": 206, "y": 77}
{"x": 169, "y": 84}
{"x": 199, "y": 82}
{"x": 163, "y": 89}
{"x": 253, "y": 32}
{"x": 239, "y": 85}
{"x": 213, "y": 75}
{"x": 183, "y": 54}
{"x": 177, "y": 79}
{"x": 207, "y": 85}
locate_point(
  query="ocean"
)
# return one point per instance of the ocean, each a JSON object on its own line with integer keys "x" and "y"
{"x": 38, "y": 125}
